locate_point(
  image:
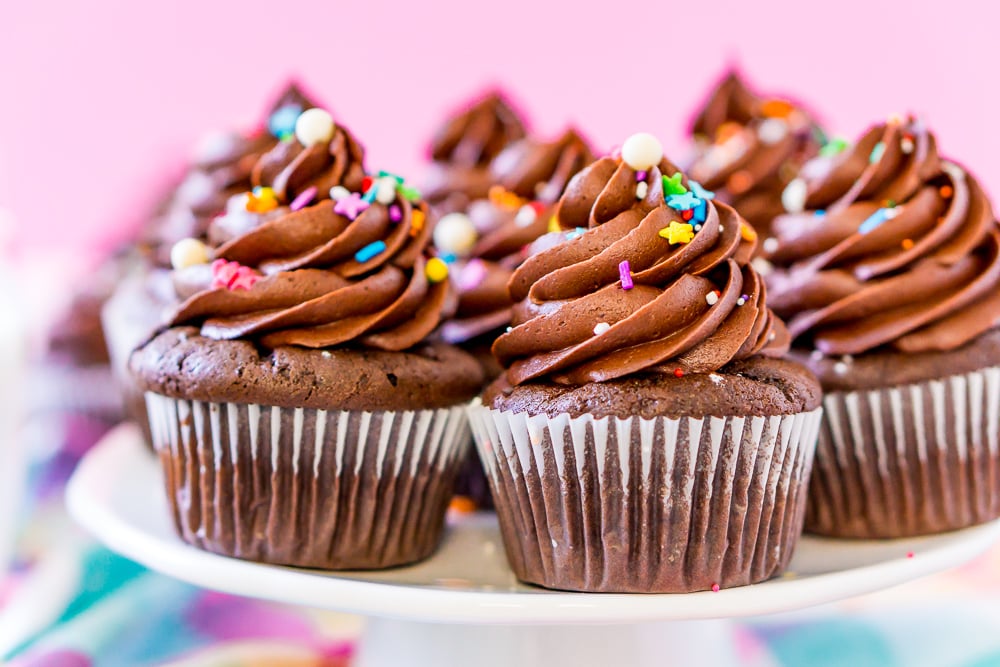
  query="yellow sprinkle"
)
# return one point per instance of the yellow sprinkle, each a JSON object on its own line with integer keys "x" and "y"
{"x": 678, "y": 232}
{"x": 436, "y": 270}
{"x": 747, "y": 232}
{"x": 907, "y": 244}
{"x": 417, "y": 223}
{"x": 505, "y": 198}
{"x": 554, "y": 224}
{"x": 261, "y": 200}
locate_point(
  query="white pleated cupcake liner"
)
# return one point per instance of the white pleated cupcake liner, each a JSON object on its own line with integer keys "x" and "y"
{"x": 311, "y": 488}
{"x": 909, "y": 460}
{"x": 647, "y": 505}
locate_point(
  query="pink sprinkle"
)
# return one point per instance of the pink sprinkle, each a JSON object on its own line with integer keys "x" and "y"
{"x": 715, "y": 588}
{"x": 395, "y": 213}
{"x": 232, "y": 275}
{"x": 472, "y": 275}
{"x": 640, "y": 175}
{"x": 304, "y": 198}
{"x": 909, "y": 554}
{"x": 625, "y": 271}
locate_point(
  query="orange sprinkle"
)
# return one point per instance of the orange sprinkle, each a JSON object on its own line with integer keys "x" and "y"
{"x": 727, "y": 131}
{"x": 747, "y": 232}
{"x": 504, "y": 198}
{"x": 907, "y": 244}
{"x": 777, "y": 108}
{"x": 462, "y": 505}
{"x": 678, "y": 373}
{"x": 417, "y": 223}
{"x": 739, "y": 182}
{"x": 940, "y": 220}
{"x": 946, "y": 191}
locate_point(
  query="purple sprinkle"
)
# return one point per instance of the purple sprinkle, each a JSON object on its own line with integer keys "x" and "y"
{"x": 640, "y": 175}
{"x": 395, "y": 213}
{"x": 304, "y": 198}
{"x": 472, "y": 275}
{"x": 625, "y": 271}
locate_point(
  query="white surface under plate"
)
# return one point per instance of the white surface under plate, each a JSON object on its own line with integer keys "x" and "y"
{"x": 117, "y": 494}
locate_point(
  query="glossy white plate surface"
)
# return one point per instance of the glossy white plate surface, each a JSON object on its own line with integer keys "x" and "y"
{"x": 117, "y": 494}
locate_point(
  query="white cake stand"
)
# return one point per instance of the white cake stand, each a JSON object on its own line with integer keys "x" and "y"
{"x": 464, "y": 607}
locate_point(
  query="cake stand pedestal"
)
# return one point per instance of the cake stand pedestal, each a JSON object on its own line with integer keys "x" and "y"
{"x": 464, "y": 606}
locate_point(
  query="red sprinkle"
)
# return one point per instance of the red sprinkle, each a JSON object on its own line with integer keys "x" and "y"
{"x": 688, "y": 214}
{"x": 538, "y": 206}
{"x": 366, "y": 183}
{"x": 678, "y": 373}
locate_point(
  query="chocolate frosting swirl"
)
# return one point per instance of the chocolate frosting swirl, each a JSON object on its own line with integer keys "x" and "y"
{"x": 325, "y": 275}
{"x": 668, "y": 322}
{"x": 531, "y": 175}
{"x": 747, "y": 148}
{"x": 463, "y": 148}
{"x": 897, "y": 249}
{"x": 221, "y": 168}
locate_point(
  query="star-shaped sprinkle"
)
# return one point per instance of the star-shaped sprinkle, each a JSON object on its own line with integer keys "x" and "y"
{"x": 261, "y": 200}
{"x": 683, "y": 202}
{"x": 677, "y": 232}
{"x": 699, "y": 191}
{"x": 232, "y": 275}
{"x": 351, "y": 207}
{"x": 672, "y": 184}
{"x": 399, "y": 179}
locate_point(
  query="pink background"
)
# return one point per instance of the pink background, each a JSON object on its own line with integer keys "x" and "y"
{"x": 102, "y": 99}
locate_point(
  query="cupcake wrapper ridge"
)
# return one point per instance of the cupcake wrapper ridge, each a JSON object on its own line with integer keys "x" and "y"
{"x": 647, "y": 505}
{"x": 304, "y": 487}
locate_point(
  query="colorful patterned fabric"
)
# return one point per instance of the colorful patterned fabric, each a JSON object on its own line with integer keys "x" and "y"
{"x": 71, "y": 603}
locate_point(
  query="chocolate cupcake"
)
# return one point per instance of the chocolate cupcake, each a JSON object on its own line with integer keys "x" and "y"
{"x": 749, "y": 147}
{"x": 645, "y": 436}
{"x": 464, "y": 147}
{"x": 300, "y": 413}
{"x": 888, "y": 269}
{"x": 216, "y": 181}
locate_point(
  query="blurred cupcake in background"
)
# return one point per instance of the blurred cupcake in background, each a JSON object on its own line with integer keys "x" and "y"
{"x": 215, "y": 183}
{"x": 300, "y": 410}
{"x": 463, "y": 148}
{"x": 748, "y": 147}
{"x": 887, "y": 270}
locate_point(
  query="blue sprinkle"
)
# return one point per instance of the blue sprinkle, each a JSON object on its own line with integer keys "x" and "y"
{"x": 576, "y": 233}
{"x": 684, "y": 202}
{"x": 699, "y": 191}
{"x": 282, "y": 122}
{"x": 874, "y": 221}
{"x": 370, "y": 251}
{"x": 370, "y": 195}
{"x": 700, "y": 212}
{"x": 448, "y": 258}
{"x": 819, "y": 213}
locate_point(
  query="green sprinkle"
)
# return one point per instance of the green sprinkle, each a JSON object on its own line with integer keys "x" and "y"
{"x": 672, "y": 185}
{"x": 382, "y": 173}
{"x": 834, "y": 147}
{"x": 408, "y": 192}
{"x": 877, "y": 153}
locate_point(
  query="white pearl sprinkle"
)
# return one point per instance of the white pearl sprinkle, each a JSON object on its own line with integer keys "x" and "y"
{"x": 339, "y": 192}
{"x": 642, "y": 151}
{"x": 601, "y": 327}
{"x": 816, "y": 355}
{"x": 326, "y": 354}
{"x": 386, "y": 192}
{"x": 715, "y": 378}
{"x": 793, "y": 198}
{"x": 762, "y": 266}
{"x": 456, "y": 234}
{"x": 712, "y": 298}
{"x": 722, "y": 229}
{"x": 641, "y": 189}
{"x": 189, "y": 252}
{"x": 697, "y": 228}
{"x": 771, "y": 245}
{"x": 740, "y": 301}
{"x": 840, "y": 368}
{"x": 314, "y": 126}
{"x": 906, "y": 145}
{"x": 526, "y": 216}
{"x": 772, "y": 130}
